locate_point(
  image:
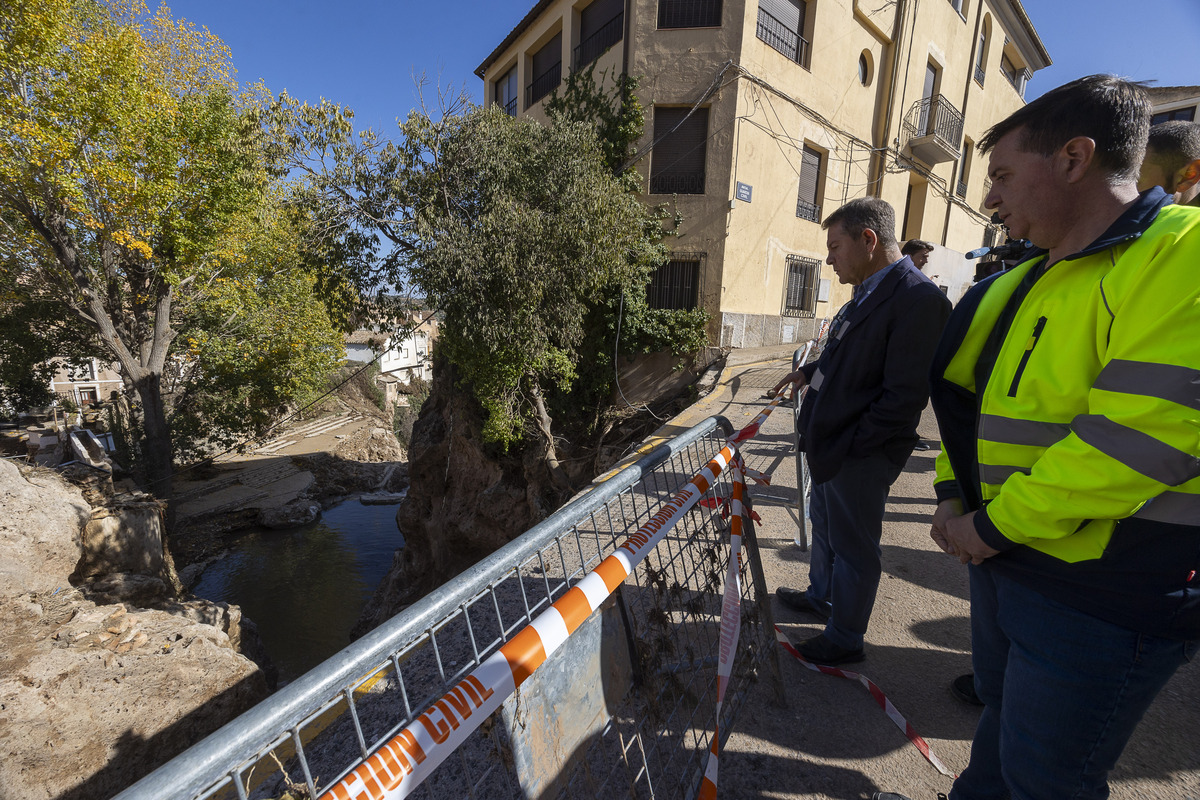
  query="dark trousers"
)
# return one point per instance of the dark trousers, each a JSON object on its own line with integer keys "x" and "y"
{"x": 1063, "y": 692}
{"x": 847, "y": 523}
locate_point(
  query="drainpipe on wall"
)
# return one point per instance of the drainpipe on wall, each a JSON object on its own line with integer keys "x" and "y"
{"x": 625, "y": 39}
{"x": 883, "y": 122}
{"x": 966, "y": 96}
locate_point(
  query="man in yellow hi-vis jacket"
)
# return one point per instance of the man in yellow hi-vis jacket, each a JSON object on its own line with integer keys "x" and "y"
{"x": 1067, "y": 390}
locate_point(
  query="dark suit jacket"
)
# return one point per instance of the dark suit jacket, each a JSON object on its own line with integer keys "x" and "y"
{"x": 875, "y": 376}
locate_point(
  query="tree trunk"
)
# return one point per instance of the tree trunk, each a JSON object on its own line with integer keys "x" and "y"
{"x": 156, "y": 442}
{"x": 543, "y": 422}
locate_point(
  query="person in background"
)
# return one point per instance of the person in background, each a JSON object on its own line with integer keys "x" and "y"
{"x": 918, "y": 250}
{"x": 1173, "y": 161}
{"x": 858, "y": 422}
{"x": 1069, "y": 480}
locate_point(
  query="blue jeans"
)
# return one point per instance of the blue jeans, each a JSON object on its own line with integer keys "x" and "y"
{"x": 847, "y": 523}
{"x": 1062, "y": 691}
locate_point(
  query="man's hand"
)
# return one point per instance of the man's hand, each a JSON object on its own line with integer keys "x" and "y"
{"x": 796, "y": 378}
{"x": 937, "y": 531}
{"x": 965, "y": 541}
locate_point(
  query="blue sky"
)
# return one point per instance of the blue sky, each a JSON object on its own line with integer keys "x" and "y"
{"x": 363, "y": 53}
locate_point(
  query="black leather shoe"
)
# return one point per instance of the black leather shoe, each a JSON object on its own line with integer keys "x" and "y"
{"x": 963, "y": 687}
{"x": 919, "y": 446}
{"x": 819, "y": 650}
{"x": 798, "y": 601}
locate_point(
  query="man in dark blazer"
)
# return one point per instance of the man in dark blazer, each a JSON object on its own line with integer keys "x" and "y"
{"x": 858, "y": 423}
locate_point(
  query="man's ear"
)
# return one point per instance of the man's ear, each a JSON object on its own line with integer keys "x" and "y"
{"x": 1187, "y": 177}
{"x": 1075, "y": 157}
{"x": 870, "y": 239}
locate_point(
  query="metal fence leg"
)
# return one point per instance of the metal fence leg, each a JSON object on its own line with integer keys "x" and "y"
{"x": 760, "y": 589}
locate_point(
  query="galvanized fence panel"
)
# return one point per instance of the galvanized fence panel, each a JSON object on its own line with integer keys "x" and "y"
{"x": 625, "y": 708}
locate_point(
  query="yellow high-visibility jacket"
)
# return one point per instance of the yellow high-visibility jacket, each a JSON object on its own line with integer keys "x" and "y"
{"x": 1069, "y": 403}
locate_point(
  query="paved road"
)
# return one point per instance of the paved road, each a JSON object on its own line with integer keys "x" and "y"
{"x": 832, "y": 740}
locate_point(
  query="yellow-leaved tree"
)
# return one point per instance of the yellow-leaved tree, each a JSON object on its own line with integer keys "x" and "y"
{"x": 135, "y": 198}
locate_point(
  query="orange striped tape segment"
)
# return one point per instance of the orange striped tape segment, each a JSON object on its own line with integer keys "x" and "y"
{"x": 892, "y": 712}
{"x": 731, "y": 616}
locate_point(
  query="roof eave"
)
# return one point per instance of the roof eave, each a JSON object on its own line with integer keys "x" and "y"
{"x": 522, "y": 26}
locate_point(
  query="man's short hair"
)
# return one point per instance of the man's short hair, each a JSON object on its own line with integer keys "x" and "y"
{"x": 1113, "y": 112}
{"x": 1173, "y": 145}
{"x": 866, "y": 213}
{"x": 914, "y": 246}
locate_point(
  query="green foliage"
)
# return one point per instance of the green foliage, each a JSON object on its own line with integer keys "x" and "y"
{"x": 137, "y": 203}
{"x": 252, "y": 347}
{"x": 614, "y": 112}
{"x": 622, "y": 318}
{"x": 519, "y": 230}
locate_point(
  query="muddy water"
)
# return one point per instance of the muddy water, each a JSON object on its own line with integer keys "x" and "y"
{"x": 305, "y": 587}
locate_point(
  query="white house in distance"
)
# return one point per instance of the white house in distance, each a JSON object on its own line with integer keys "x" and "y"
{"x": 87, "y": 383}
{"x": 402, "y": 359}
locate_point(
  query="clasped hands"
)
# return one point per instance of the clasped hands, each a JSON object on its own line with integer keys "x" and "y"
{"x": 954, "y": 532}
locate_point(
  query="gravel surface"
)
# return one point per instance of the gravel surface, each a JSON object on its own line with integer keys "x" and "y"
{"x": 832, "y": 740}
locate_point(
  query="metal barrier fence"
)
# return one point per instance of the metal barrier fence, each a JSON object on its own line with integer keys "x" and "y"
{"x": 624, "y": 708}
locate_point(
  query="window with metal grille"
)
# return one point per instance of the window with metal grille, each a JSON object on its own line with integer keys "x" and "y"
{"x": 677, "y": 163}
{"x": 676, "y": 284}
{"x": 689, "y": 13}
{"x": 601, "y": 25}
{"x": 802, "y": 276}
{"x": 547, "y": 71}
{"x": 781, "y": 26}
{"x": 808, "y": 206}
{"x": 506, "y": 92}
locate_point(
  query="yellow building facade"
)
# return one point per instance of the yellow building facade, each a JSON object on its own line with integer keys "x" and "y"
{"x": 764, "y": 116}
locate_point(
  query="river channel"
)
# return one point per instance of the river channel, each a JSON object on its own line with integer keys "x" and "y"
{"x": 305, "y": 587}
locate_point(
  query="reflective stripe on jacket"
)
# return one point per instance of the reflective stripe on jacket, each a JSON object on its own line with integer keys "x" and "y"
{"x": 1084, "y": 450}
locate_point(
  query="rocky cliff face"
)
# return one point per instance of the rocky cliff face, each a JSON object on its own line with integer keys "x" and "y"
{"x": 464, "y": 501}
{"x": 95, "y": 690}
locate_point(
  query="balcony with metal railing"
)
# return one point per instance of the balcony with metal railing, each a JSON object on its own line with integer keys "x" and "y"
{"x": 510, "y": 106}
{"x": 778, "y": 36}
{"x": 933, "y": 130}
{"x": 543, "y": 84}
{"x": 979, "y": 74}
{"x": 594, "y": 46}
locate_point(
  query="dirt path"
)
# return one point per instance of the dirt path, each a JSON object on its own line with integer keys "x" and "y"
{"x": 832, "y": 740}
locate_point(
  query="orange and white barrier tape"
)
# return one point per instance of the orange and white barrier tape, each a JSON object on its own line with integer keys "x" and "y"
{"x": 751, "y": 430}
{"x": 400, "y": 765}
{"x": 893, "y": 714}
{"x": 731, "y": 618}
